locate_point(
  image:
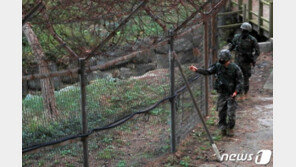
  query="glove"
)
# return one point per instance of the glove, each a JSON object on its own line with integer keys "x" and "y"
{"x": 234, "y": 94}
{"x": 193, "y": 68}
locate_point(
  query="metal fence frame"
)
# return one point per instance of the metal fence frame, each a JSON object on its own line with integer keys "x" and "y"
{"x": 82, "y": 70}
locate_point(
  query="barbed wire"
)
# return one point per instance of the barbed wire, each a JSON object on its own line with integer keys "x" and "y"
{"x": 89, "y": 22}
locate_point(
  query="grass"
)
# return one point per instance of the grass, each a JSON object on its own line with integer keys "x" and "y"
{"x": 185, "y": 161}
{"x": 108, "y": 153}
{"x": 106, "y": 101}
{"x": 121, "y": 163}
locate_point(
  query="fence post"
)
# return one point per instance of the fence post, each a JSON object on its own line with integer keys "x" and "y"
{"x": 244, "y": 12}
{"x": 83, "y": 109}
{"x": 260, "y": 12}
{"x": 250, "y": 8}
{"x": 172, "y": 90}
{"x": 271, "y": 19}
{"x": 206, "y": 64}
{"x": 214, "y": 38}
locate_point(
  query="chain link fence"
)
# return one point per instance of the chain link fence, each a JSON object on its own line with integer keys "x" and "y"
{"x": 129, "y": 109}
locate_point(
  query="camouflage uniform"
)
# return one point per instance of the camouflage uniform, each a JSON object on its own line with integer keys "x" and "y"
{"x": 228, "y": 80}
{"x": 244, "y": 57}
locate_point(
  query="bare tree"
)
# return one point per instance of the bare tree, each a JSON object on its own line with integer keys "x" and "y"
{"x": 47, "y": 87}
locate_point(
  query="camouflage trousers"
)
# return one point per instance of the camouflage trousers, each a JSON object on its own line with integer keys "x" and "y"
{"x": 246, "y": 69}
{"x": 226, "y": 107}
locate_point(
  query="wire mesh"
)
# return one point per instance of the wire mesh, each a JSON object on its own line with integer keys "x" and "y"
{"x": 118, "y": 91}
{"x": 38, "y": 123}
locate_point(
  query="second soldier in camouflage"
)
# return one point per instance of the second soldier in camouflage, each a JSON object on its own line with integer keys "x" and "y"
{"x": 246, "y": 51}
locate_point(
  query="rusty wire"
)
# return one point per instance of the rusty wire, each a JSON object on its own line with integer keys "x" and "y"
{"x": 82, "y": 25}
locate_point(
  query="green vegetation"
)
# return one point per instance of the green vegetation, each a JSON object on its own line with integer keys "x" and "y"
{"x": 185, "y": 161}
{"x": 211, "y": 121}
{"x": 121, "y": 163}
{"x": 107, "y": 153}
{"x": 106, "y": 101}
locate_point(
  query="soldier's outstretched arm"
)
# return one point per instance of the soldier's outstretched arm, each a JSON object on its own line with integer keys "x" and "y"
{"x": 211, "y": 70}
{"x": 239, "y": 79}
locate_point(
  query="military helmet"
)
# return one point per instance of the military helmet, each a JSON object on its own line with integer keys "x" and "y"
{"x": 246, "y": 26}
{"x": 224, "y": 56}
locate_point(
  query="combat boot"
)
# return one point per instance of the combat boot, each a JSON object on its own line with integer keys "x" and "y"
{"x": 223, "y": 130}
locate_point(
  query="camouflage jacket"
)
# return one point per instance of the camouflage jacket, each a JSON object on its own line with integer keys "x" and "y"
{"x": 244, "y": 48}
{"x": 228, "y": 79}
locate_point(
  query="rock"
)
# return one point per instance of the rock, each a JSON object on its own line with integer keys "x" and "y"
{"x": 187, "y": 57}
{"x": 197, "y": 38}
{"x": 131, "y": 66}
{"x": 93, "y": 75}
{"x": 162, "y": 49}
{"x": 71, "y": 79}
{"x": 56, "y": 80}
{"x": 143, "y": 68}
{"x": 34, "y": 84}
{"x": 107, "y": 75}
{"x": 98, "y": 75}
{"x": 57, "y": 83}
{"x": 180, "y": 45}
{"x": 183, "y": 45}
{"x": 162, "y": 61}
{"x": 146, "y": 57}
{"x": 115, "y": 73}
{"x": 125, "y": 72}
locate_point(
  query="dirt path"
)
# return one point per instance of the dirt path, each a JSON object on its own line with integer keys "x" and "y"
{"x": 253, "y": 131}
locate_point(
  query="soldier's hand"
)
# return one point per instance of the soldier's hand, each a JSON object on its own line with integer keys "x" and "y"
{"x": 193, "y": 68}
{"x": 234, "y": 94}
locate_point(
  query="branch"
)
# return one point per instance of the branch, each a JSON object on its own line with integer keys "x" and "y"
{"x": 56, "y": 37}
{"x": 191, "y": 17}
{"x": 39, "y": 6}
{"x": 74, "y": 71}
{"x": 108, "y": 64}
{"x": 148, "y": 11}
{"x": 113, "y": 33}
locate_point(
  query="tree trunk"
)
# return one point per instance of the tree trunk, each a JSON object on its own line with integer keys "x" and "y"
{"x": 47, "y": 87}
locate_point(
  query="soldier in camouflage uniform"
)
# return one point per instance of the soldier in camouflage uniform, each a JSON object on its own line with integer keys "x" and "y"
{"x": 228, "y": 83}
{"x": 246, "y": 51}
